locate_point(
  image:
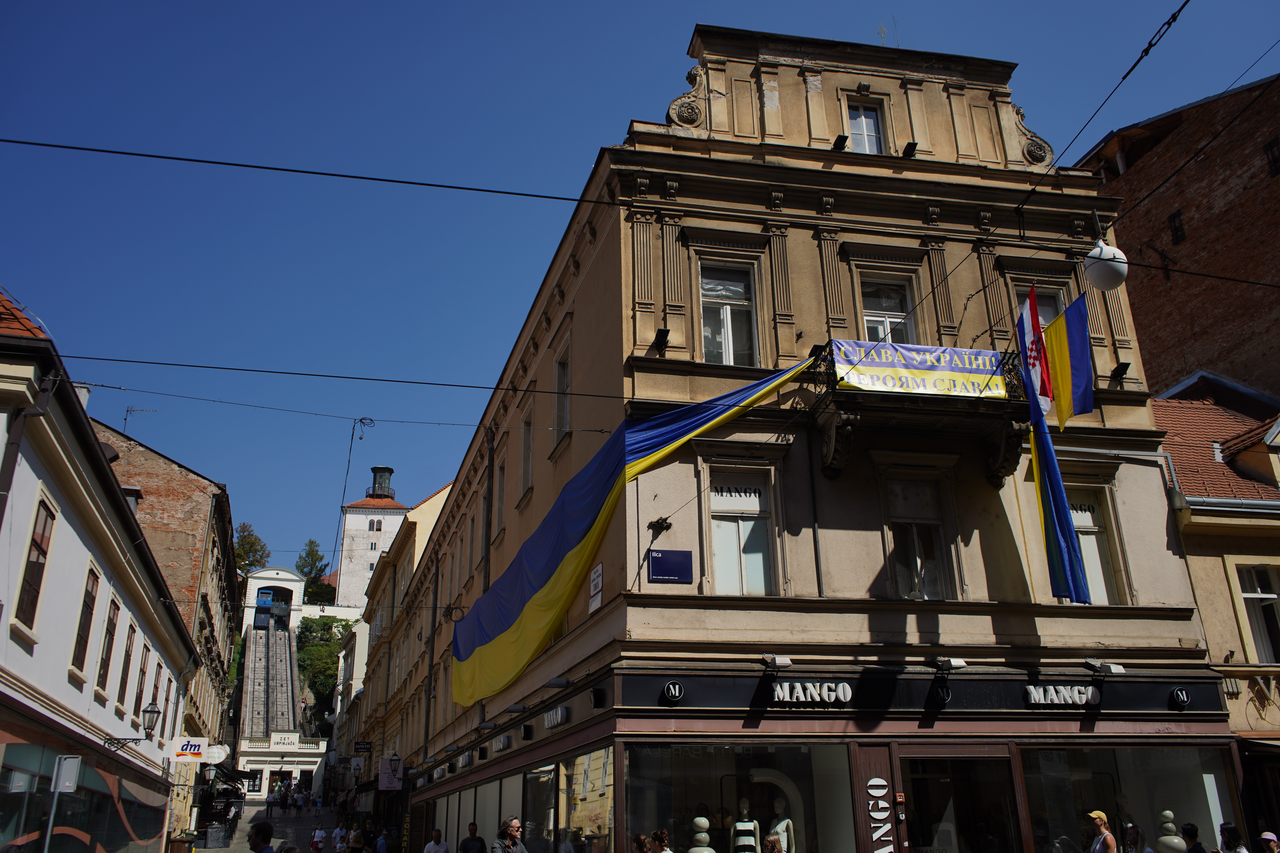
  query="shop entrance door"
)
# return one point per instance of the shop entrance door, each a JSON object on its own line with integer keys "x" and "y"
{"x": 960, "y": 805}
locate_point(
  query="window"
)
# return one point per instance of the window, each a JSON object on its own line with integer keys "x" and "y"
{"x": 164, "y": 717}
{"x": 728, "y": 321}
{"x": 81, "y": 648}
{"x": 884, "y": 309}
{"x": 108, "y": 643}
{"x": 37, "y": 557}
{"x": 500, "y": 495}
{"x": 526, "y": 454}
{"x": 562, "y": 395}
{"x": 124, "y": 667}
{"x": 371, "y": 567}
{"x": 377, "y": 525}
{"x": 373, "y": 546}
{"x": 1261, "y": 595}
{"x": 1272, "y": 151}
{"x": 471, "y": 545}
{"x": 741, "y": 538}
{"x": 915, "y": 531}
{"x": 1048, "y": 302}
{"x": 142, "y": 680}
{"x": 864, "y": 129}
{"x": 1177, "y": 233}
{"x": 371, "y": 525}
{"x": 1088, "y": 513}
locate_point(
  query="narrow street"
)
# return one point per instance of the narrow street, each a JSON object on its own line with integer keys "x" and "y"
{"x": 287, "y": 829}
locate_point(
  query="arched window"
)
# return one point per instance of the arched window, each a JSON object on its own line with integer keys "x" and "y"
{"x": 378, "y": 525}
{"x": 371, "y": 525}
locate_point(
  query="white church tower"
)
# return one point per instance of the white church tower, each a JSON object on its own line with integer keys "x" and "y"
{"x": 368, "y": 526}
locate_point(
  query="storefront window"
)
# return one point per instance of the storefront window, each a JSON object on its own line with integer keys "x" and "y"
{"x": 746, "y": 792}
{"x": 960, "y": 805}
{"x": 1132, "y": 786}
{"x": 586, "y": 803}
{"x": 120, "y": 815}
{"x": 487, "y": 815}
{"x": 538, "y": 816}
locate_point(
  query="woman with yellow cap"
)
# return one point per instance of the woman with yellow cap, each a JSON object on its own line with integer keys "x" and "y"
{"x": 1105, "y": 842}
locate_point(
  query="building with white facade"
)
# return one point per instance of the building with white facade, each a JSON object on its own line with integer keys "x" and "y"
{"x": 368, "y": 527}
{"x": 96, "y": 659}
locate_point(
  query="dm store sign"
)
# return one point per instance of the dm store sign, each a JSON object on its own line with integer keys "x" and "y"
{"x": 190, "y": 749}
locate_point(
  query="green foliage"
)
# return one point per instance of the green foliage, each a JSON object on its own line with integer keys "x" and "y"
{"x": 251, "y": 552}
{"x": 319, "y": 641}
{"x": 312, "y": 566}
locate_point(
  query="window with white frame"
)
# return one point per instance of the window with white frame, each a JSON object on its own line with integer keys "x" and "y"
{"x": 864, "y": 128}
{"x": 917, "y": 551}
{"x": 1051, "y": 300}
{"x": 108, "y": 643}
{"x": 80, "y": 649}
{"x": 1261, "y": 593}
{"x": 37, "y": 558}
{"x": 1090, "y": 516}
{"x": 885, "y": 310}
{"x": 728, "y": 316}
{"x": 124, "y": 667}
{"x": 742, "y": 560}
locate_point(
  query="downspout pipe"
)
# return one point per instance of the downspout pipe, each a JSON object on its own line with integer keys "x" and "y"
{"x": 13, "y": 445}
{"x": 488, "y": 510}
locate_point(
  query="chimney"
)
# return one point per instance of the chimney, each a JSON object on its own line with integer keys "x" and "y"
{"x": 381, "y": 487}
{"x": 83, "y": 392}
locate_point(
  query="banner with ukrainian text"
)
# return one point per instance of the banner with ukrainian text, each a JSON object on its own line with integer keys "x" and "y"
{"x": 910, "y": 369}
{"x": 509, "y": 625}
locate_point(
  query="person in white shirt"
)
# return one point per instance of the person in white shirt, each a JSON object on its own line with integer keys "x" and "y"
{"x": 318, "y": 837}
{"x": 436, "y": 844}
{"x": 340, "y": 837}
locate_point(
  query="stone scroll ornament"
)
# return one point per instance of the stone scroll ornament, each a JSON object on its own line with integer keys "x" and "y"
{"x": 1034, "y": 149}
{"x": 689, "y": 110}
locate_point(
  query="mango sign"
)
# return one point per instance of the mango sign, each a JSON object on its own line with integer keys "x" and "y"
{"x": 910, "y": 369}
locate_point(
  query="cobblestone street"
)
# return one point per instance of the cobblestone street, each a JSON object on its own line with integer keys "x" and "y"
{"x": 288, "y": 829}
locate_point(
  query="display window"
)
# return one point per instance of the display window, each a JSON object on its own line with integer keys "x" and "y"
{"x": 744, "y": 792}
{"x": 1133, "y": 787}
{"x": 960, "y": 805}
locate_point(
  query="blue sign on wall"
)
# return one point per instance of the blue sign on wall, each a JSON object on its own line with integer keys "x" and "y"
{"x": 670, "y": 567}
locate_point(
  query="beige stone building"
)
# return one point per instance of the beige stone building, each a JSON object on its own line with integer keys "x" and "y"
{"x": 392, "y": 709}
{"x": 831, "y": 617}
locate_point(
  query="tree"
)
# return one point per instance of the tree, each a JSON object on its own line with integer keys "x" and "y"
{"x": 319, "y": 641}
{"x": 251, "y": 552}
{"x": 313, "y": 567}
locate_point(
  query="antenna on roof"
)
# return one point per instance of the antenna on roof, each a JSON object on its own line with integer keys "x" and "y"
{"x": 882, "y": 32}
{"x": 129, "y": 410}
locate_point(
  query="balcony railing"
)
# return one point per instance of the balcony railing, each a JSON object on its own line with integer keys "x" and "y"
{"x": 380, "y": 492}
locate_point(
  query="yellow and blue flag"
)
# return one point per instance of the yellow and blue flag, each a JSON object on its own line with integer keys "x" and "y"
{"x": 1066, "y": 344}
{"x": 1066, "y": 566}
{"x": 509, "y": 625}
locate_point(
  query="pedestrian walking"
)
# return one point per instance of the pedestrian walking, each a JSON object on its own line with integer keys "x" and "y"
{"x": 508, "y": 840}
{"x": 473, "y": 843}
{"x": 271, "y": 802}
{"x": 355, "y": 842}
{"x": 437, "y": 844}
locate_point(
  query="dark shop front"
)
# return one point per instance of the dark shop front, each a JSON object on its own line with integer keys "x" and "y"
{"x": 873, "y": 760}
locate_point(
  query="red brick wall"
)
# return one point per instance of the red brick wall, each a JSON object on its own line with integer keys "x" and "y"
{"x": 1230, "y": 208}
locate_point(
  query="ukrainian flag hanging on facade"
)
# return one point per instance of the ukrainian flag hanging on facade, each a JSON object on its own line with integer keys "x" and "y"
{"x": 1066, "y": 566}
{"x": 510, "y": 624}
{"x": 1066, "y": 346}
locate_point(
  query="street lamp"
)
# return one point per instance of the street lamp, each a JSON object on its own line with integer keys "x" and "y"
{"x": 209, "y": 772}
{"x": 150, "y": 716}
{"x": 395, "y": 763}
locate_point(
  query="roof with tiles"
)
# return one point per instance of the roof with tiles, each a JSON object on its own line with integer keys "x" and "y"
{"x": 376, "y": 503}
{"x": 14, "y": 322}
{"x": 1193, "y": 427}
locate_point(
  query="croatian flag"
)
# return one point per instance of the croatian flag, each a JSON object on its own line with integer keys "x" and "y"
{"x": 1035, "y": 364}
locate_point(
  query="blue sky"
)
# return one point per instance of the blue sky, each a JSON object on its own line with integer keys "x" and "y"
{"x": 163, "y": 261}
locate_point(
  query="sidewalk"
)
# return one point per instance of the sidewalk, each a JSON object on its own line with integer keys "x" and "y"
{"x": 288, "y": 830}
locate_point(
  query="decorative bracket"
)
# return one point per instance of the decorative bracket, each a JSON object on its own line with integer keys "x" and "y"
{"x": 1035, "y": 150}
{"x": 689, "y": 110}
{"x": 1004, "y": 456}
{"x": 837, "y": 442}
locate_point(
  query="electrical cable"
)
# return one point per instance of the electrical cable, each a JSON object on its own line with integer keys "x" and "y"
{"x": 1199, "y": 151}
{"x": 305, "y": 412}
{"x": 1151, "y": 43}
{"x": 1250, "y": 68}
{"x": 313, "y": 172}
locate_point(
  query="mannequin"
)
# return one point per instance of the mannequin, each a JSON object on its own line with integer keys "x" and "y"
{"x": 700, "y": 837}
{"x": 784, "y": 828}
{"x": 1169, "y": 841}
{"x": 746, "y": 832}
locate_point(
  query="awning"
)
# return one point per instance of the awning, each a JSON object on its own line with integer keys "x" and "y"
{"x": 363, "y": 787}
